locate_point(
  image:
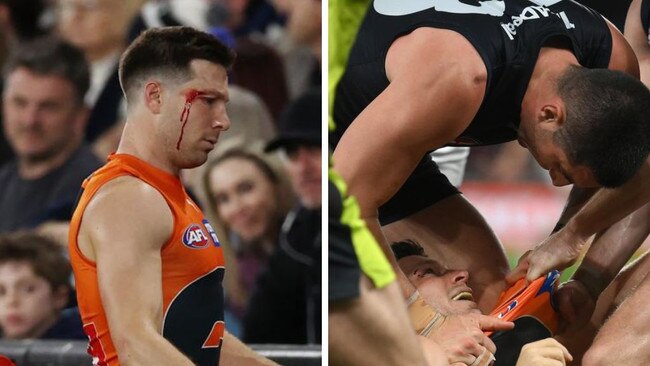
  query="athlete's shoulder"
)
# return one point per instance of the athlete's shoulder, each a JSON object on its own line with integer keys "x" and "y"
{"x": 623, "y": 57}
{"x": 127, "y": 203}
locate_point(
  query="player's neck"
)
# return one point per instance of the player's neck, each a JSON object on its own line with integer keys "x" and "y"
{"x": 551, "y": 63}
{"x": 139, "y": 140}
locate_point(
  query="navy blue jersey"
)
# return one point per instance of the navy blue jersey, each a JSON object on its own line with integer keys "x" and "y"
{"x": 508, "y": 36}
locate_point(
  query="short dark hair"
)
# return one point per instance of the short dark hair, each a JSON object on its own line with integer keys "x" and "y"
{"x": 606, "y": 127}
{"x": 169, "y": 50}
{"x": 51, "y": 56}
{"x": 45, "y": 256}
{"x": 406, "y": 248}
{"x": 25, "y": 17}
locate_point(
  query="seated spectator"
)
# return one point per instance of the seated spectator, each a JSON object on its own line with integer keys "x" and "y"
{"x": 303, "y": 31}
{"x": 19, "y": 21}
{"x": 99, "y": 28}
{"x": 248, "y": 17}
{"x": 250, "y": 202}
{"x": 285, "y": 307}
{"x": 44, "y": 121}
{"x": 304, "y": 23}
{"x": 34, "y": 290}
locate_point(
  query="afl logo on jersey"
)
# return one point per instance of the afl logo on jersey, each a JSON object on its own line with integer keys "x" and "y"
{"x": 194, "y": 237}
{"x": 213, "y": 234}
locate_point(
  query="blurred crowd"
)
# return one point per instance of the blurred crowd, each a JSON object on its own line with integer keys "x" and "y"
{"x": 63, "y": 114}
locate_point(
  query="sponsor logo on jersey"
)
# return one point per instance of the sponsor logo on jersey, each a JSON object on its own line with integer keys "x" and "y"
{"x": 213, "y": 234}
{"x": 194, "y": 237}
{"x": 534, "y": 12}
{"x": 398, "y": 8}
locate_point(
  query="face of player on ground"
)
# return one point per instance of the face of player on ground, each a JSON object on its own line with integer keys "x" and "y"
{"x": 41, "y": 117}
{"x": 303, "y": 163}
{"x": 246, "y": 199}
{"x": 28, "y": 305}
{"x": 207, "y": 118}
{"x": 444, "y": 289}
{"x": 98, "y": 27}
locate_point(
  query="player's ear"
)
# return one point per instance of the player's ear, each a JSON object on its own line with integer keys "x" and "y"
{"x": 551, "y": 116}
{"x": 153, "y": 96}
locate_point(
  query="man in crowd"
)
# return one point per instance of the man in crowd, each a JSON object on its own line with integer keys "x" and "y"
{"x": 19, "y": 22}
{"x": 44, "y": 121}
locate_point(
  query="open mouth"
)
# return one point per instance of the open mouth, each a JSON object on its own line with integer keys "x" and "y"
{"x": 463, "y": 296}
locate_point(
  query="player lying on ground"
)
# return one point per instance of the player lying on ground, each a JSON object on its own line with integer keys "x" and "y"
{"x": 447, "y": 290}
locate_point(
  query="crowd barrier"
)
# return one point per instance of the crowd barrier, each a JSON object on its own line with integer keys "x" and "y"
{"x": 73, "y": 353}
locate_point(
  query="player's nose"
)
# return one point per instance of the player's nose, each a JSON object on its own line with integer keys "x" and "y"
{"x": 458, "y": 276}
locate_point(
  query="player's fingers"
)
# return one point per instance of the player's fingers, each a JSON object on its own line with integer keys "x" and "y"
{"x": 535, "y": 271}
{"x": 477, "y": 361}
{"x": 494, "y": 324}
{"x": 467, "y": 351}
{"x": 564, "y": 354}
{"x": 519, "y": 271}
{"x": 489, "y": 345}
{"x": 551, "y": 348}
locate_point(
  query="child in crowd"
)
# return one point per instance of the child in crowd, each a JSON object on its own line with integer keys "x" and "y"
{"x": 35, "y": 290}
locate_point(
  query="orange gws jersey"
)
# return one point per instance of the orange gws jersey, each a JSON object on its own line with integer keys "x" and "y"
{"x": 533, "y": 301}
{"x": 192, "y": 270}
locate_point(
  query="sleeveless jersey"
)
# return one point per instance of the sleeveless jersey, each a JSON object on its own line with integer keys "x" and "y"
{"x": 192, "y": 270}
{"x": 507, "y": 35}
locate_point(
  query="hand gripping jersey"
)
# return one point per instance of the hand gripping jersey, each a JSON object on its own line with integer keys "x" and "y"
{"x": 532, "y": 309}
{"x": 192, "y": 271}
{"x": 534, "y": 300}
{"x": 507, "y": 34}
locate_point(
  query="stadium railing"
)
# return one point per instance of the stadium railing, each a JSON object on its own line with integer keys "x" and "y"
{"x": 73, "y": 353}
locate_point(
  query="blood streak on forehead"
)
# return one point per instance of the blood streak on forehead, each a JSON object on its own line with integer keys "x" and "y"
{"x": 190, "y": 96}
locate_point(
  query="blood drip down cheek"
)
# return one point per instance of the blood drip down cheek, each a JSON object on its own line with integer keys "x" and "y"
{"x": 185, "y": 114}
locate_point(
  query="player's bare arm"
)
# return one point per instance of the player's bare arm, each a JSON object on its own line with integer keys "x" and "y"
{"x": 638, "y": 39}
{"x": 604, "y": 209}
{"x": 428, "y": 103}
{"x": 605, "y": 258}
{"x": 123, "y": 230}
